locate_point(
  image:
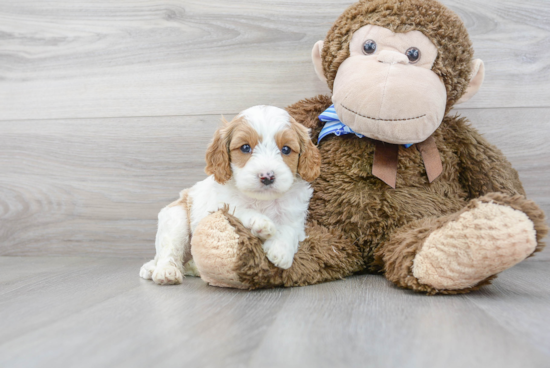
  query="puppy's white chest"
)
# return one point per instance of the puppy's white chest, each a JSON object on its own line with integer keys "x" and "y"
{"x": 273, "y": 209}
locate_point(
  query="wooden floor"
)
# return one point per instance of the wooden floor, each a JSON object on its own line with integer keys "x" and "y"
{"x": 96, "y": 312}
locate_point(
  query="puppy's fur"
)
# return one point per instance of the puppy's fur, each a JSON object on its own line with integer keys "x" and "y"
{"x": 267, "y": 189}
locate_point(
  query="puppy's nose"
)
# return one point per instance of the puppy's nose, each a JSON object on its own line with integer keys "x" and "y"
{"x": 267, "y": 178}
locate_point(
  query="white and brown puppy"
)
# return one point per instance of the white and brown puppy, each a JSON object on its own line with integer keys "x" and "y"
{"x": 259, "y": 164}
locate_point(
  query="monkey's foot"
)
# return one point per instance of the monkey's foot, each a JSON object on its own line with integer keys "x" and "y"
{"x": 215, "y": 250}
{"x": 227, "y": 254}
{"x": 481, "y": 242}
{"x": 463, "y": 251}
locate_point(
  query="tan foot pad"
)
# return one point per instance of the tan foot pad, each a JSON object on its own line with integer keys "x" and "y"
{"x": 482, "y": 242}
{"x": 214, "y": 247}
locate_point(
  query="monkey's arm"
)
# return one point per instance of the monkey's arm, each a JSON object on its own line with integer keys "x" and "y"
{"x": 307, "y": 111}
{"x": 483, "y": 167}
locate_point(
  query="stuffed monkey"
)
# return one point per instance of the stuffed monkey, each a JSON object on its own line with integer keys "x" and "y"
{"x": 406, "y": 188}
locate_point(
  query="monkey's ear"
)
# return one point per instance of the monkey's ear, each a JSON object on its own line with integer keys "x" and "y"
{"x": 478, "y": 74}
{"x": 318, "y": 60}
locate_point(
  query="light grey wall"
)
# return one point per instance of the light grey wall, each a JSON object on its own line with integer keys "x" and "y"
{"x": 106, "y": 107}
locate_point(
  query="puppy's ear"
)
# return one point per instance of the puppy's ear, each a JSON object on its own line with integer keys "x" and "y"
{"x": 309, "y": 164}
{"x": 217, "y": 156}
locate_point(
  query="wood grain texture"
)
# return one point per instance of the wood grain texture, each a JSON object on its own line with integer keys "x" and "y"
{"x": 518, "y": 301}
{"x": 95, "y": 186}
{"x": 82, "y": 59}
{"x": 93, "y": 312}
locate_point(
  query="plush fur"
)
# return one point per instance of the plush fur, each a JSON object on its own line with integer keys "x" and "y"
{"x": 323, "y": 256}
{"x": 263, "y": 186}
{"x": 397, "y": 256}
{"x": 383, "y": 95}
{"x": 446, "y": 257}
{"x": 439, "y": 24}
{"x": 359, "y": 223}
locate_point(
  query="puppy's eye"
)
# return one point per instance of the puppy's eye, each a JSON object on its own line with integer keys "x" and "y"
{"x": 286, "y": 150}
{"x": 369, "y": 47}
{"x": 413, "y": 54}
{"x": 245, "y": 148}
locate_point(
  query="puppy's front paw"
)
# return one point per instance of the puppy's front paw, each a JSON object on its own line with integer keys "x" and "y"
{"x": 146, "y": 271}
{"x": 167, "y": 274}
{"x": 279, "y": 253}
{"x": 262, "y": 227}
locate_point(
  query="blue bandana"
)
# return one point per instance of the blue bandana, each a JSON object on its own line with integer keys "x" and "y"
{"x": 335, "y": 126}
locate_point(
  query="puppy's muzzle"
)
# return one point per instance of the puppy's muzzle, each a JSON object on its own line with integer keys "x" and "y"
{"x": 267, "y": 178}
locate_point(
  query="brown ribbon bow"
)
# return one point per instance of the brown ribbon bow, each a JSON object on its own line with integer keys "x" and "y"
{"x": 384, "y": 165}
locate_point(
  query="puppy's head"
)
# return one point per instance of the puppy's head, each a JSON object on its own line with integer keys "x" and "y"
{"x": 262, "y": 149}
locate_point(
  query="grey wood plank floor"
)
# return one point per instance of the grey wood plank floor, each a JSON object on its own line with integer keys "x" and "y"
{"x": 97, "y": 312}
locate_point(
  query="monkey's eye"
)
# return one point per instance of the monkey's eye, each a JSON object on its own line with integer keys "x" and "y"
{"x": 369, "y": 47}
{"x": 286, "y": 150}
{"x": 413, "y": 54}
{"x": 245, "y": 148}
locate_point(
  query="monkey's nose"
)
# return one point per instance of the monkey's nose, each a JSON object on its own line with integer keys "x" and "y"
{"x": 392, "y": 57}
{"x": 267, "y": 178}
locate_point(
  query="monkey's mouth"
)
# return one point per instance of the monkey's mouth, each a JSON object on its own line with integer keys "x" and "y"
{"x": 378, "y": 119}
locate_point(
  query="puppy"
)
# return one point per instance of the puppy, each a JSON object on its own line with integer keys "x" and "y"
{"x": 259, "y": 164}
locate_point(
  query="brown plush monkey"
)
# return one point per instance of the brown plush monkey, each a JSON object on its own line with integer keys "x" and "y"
{"x": 444, "y": 215}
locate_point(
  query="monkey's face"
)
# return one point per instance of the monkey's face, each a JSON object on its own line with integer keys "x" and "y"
{"x": 386, "y": 89}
